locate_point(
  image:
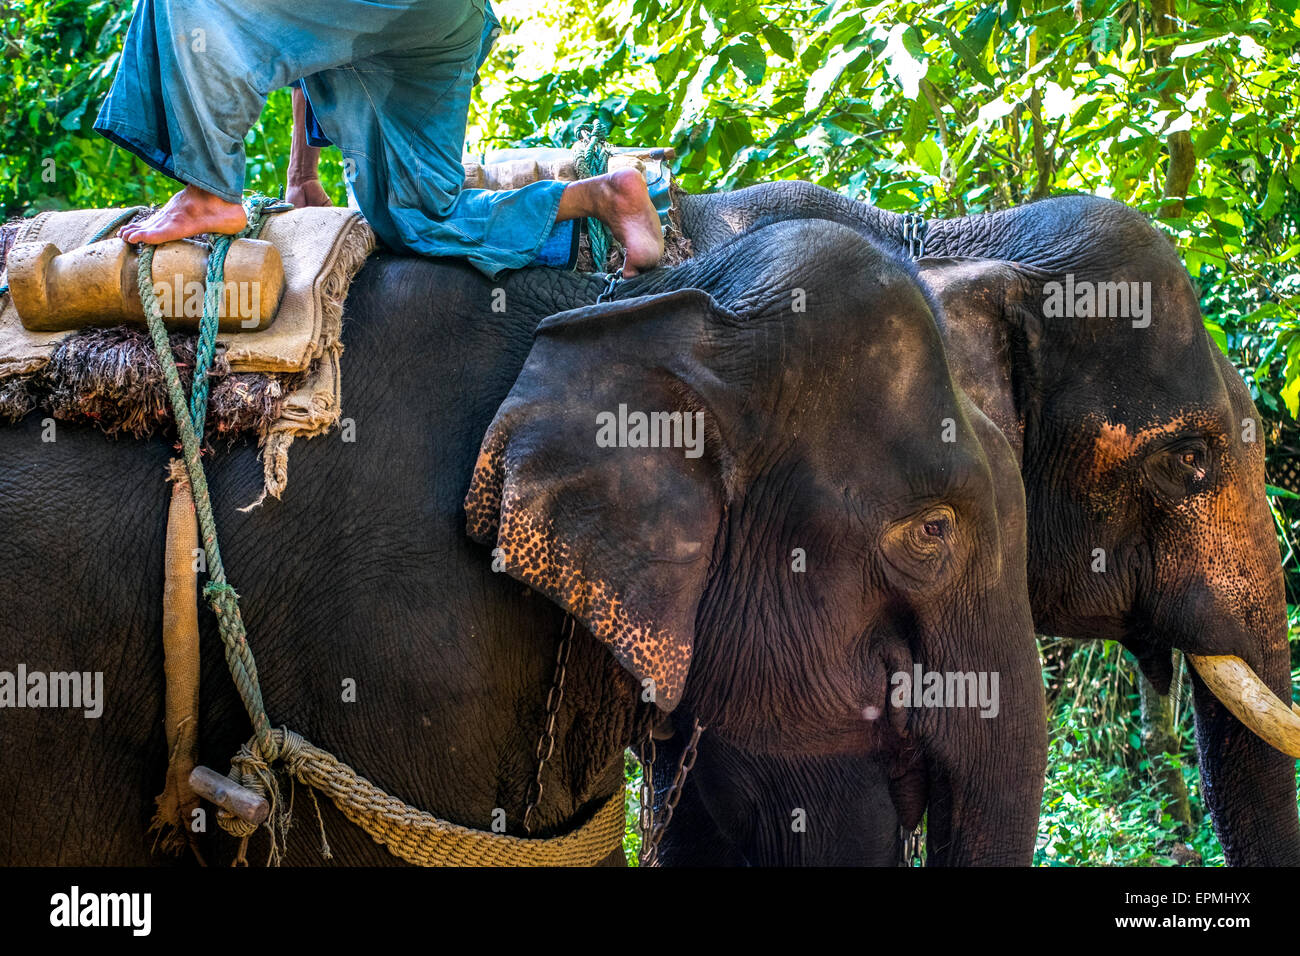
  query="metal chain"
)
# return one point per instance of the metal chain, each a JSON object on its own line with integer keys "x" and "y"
{"x": 646, "y": 818}
{"x": 651, "y": 832}
{"x": 546, "y": 742}
{"x": 611, "y": 283}
{"x": 914, "y": 231}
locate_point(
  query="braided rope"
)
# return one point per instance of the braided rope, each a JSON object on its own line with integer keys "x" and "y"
{"x": 116, "y": 223}
{"x": 407, "y": 832}
{"x": 419, "y": 837}
{"x": 213, "y": 288}
{"x": 591, "y": 158}
{"x": 222, "y": 597}
{"x": 213, "y": 292}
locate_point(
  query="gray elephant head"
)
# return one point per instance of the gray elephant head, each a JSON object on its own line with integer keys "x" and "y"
{"x": 1072, "y": 323}
{"x": 768, "y": 500}
{"x": 1143, "y": 459}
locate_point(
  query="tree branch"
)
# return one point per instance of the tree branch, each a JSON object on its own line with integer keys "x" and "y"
{"x": 1182, "y": 155}
{"x": 1042, "y": 158}
{"x": 947, "y": 172}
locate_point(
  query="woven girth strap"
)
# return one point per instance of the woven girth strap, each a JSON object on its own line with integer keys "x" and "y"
{"x": 419, "y": 837}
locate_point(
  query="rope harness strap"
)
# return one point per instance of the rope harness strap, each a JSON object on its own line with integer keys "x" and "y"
{"x": 414, "y": 835}
{"x": 407, "y": 832}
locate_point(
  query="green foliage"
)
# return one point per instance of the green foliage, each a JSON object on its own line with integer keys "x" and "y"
{"x": 944, "y": 108}
{"x": 1099, "y": 813}
{"x": 1101, "y": 804}
{"x": 631, "y": 830}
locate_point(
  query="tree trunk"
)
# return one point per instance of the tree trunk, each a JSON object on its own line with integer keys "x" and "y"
{"x": 1044, "y": 160}
{"x": 1182, "y": 155}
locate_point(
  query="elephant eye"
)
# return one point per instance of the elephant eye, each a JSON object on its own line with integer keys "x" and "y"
{"x": 1179, "y": 470}
{"x": 1192, "y": 458}
{"x": 936, "y": 527}
{"x": 920, "y": 550}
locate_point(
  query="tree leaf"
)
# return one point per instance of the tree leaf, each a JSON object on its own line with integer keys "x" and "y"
{"x": 748, "y": 56}
{"x": 827, "y": 75}
{"x": 980, "y": 29}
{"x": 1105, "y": 35}
{"x": 780, "y": 42}
{"x": 72, "y": 121}
{"x": 969, "y": 57}
{"x": 1273, "y": 200}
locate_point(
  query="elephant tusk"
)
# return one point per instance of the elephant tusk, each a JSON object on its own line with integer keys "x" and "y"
{"x": 1249, "y": 699}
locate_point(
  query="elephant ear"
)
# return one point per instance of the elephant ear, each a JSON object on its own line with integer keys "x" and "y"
{"x": 620, "y": 537}
{"x": 991, "y": 315}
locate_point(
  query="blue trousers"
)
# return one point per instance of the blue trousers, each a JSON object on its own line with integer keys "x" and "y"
{"x": 388, "y": 81}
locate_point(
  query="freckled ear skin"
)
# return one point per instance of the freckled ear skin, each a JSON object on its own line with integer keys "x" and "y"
{"x": 619, "y": 537}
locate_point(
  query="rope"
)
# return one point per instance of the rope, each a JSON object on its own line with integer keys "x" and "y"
{"x": 419, "y": 837}
{"x": 408, "y": 833}
{"x": 213, "y": 292}
{"x": 189, "y": 423}
{"x": 116, "y": 223}
{"x": 591, "y": 158}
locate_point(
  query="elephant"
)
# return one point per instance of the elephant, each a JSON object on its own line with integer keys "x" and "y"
{"x": 430, "y": 565}
{"x": 1142, "y": 456}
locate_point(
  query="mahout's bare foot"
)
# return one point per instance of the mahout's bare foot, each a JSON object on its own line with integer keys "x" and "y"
{"x": 191, "y": 212}
{"x": 308, "y": 192}
{"x": 623, "y": 204}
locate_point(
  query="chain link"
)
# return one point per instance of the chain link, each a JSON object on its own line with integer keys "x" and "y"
{"x": 915, "y": 229}
{"x": 546, "y": 742}
{"x": 652, "y": 832}
{"x": 611, "y": 283}
{"x": 646, "y": 818}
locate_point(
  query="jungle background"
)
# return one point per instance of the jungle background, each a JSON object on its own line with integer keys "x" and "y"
{"x": 1185, "y": 110}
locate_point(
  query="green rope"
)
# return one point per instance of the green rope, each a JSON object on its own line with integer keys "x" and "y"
{"x": 214, "y": 291}
{"x": 190, "y": 417}
{"x": 591, "y": 158}
{"x": 116, "y": 223}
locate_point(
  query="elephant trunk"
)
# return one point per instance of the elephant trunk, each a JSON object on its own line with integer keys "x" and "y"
{"x": 1249, "y": 783}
